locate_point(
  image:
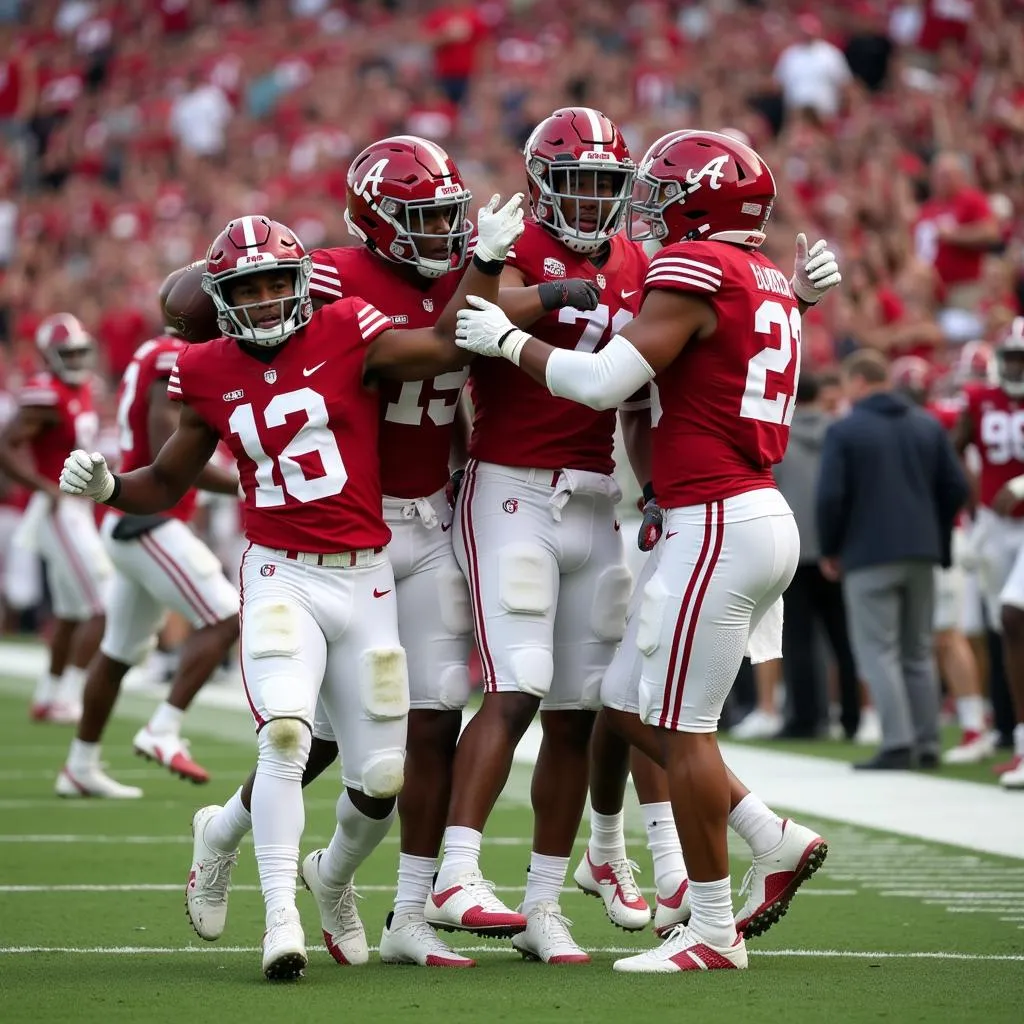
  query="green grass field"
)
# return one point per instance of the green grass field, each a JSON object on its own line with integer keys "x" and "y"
{"x": 92, "y": 925}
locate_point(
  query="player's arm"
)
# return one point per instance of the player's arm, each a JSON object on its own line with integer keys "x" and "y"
{"x": 525, "y": 304}
{"x": 635, "y": 419}
{"x": 27, "y": 423}
{"x": 962, "y": 433}
{"x": 162, "y": 421}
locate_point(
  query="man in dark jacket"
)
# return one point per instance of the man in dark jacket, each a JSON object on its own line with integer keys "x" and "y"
{"x": 890, "y": 488}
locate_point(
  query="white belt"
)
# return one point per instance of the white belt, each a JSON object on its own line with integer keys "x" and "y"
{"x": 333, "y": 559}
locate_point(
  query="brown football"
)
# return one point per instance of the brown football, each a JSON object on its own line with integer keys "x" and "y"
{"x": 187, "y": 308}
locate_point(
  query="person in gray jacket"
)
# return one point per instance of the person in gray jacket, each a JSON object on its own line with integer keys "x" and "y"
{"x": 889, "y": 491}
{"x": 811, "y": 599}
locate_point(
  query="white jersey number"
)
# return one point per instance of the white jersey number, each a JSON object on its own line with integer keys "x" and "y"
{"x": 409, "y": 412}
{"x": 1002, "y": 436}
{"x": 313, "y": 436}
{"x": 776, "y": 357}
{"x": 597, "y": 321}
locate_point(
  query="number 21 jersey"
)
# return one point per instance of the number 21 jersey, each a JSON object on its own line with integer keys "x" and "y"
{"x": 302, "y": 428}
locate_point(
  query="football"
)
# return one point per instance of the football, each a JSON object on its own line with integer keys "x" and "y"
{"x": 187, "y": 308}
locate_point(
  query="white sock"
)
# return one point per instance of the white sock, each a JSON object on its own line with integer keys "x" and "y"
{"x": 712, "y": 911}
{"x": 1018, "y": 739}
{"x": 666, "y": 851}
{"x": 607, "y": 837}
{"x": 166, "y": 719}
{"x": 415, "y": 876}
{"x": 82, "y": 756}
{"x": 544, "y": 880}
{"x": 970, "y": 711}
{"x": 355, "y": 838}
{"x": 757, "y": 824}
{"x": 71, "y": 685}
{"x": 224, "y": 832}
{"x": 46, "y": 689}
{"x": 461, "y": 855}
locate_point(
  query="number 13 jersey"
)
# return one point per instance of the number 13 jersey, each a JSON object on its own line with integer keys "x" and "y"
{"x": 721, "y": 410}
{"x": 302, "y": 428}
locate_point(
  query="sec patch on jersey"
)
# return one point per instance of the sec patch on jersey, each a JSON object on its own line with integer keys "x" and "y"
{"x": 187, "y": 308}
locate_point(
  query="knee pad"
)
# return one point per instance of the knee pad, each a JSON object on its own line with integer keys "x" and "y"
{"x": 201, "y": 560}
{"x": 453, "y": 687}
{"x": 384, "y": 684}
{"x": 533, "y": 668}
{"x": 273, "y": 631}
{"x": 284, "y": 748}
{"x": 453, "y": 593}
{"x": 651, "y": 615}
{"x": 526, "y": 579}
{"x": 611, "y": 599}
{"x": 383, "y": 774}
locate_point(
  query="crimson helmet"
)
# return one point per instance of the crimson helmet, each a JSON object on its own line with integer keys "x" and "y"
{"x": 1010, "y": 360}
{"x": 913, "y": 376}
{"x": 255, "y": 245}
{"x": 974, "y": 363}
{"x": 67, "y": 347}
{"x": 571, "y": 142}
{"x": 398, "y": 189}
{"x": 702, "y": 186}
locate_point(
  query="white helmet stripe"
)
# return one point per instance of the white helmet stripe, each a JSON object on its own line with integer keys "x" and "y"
{"x": 250, "y": 236}
{"x": 433, "y": 149}
{"x": 595, "y": 124}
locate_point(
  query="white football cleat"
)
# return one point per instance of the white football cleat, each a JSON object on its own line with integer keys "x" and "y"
{"x": 758, "y": 725}
{"x": 206, "y": 894}
{"x": 471, "y": 906}
{"x": 93, "y": 782}
{"x": 284, "y": 946}
{"x": 410, "y": 940}
{"x": 547, "y": 937}
{"x": 613, "y": 883}
{"x": 170, "y": 750}
{"x": 973, "y": 747}
{"x": 673, "y": 911}
{"x": 684, "y": 950}
{"x": 774, "y": 878}
{"x": 339, "y": 918}
{"x": 1014, "y": 778}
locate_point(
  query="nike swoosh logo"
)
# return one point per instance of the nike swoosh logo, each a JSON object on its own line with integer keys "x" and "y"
{"x": 626, "y": 295}
{"x": 445, "y": 527}
{"x": 670, "y": 534}
{"x": 309, "y": 371}
{"x": 380, "y": 593}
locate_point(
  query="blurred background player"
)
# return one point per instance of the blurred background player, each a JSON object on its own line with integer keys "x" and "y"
{"x": 56, "y": 413}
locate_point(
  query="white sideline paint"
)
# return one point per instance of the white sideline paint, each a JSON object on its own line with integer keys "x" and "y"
{"x": 966, "y": 814}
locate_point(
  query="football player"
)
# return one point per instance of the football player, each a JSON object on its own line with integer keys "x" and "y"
{"x": 285, "y": 389}
{"x": 56, "y": 413}
{"x": 717, "y": 339}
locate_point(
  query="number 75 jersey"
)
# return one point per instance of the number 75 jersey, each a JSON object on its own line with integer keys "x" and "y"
{"x": 721, "y": 410}
{"x": 997, "y": 423}
{"x": 302, "y": 428}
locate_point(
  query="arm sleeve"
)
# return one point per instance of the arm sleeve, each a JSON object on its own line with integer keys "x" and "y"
{"x": 600, "y": 380}
{"x": 325, "y": 282}
{"x": 638, "y": 401}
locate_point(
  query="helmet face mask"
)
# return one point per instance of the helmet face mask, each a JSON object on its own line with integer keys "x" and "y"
{"x": 1009, "y": 360}
{"x": 67, "y": 347}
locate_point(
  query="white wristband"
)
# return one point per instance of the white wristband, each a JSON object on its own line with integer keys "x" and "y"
{"x": 512, "y": 345}
{"x": 1016, "y": 487}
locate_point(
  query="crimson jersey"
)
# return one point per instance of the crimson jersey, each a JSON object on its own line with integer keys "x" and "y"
{"x": 722, "y": 409}
{"x": 416, "y": 417}
{"x": 517, "y": 421}
{"x": 302, "y": 429}
{"x": 997, "y": 431}
{"x": 152, "y": 362}
{"x": 77, "y": 423}
{"x": 946, "y": 410}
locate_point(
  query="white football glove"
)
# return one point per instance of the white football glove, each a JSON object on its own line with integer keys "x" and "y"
{"x": 486, "y": 330}
{"x": 497, "y": 230}
{"x": 815, "y": 271}
{"x": 85, "y": 474}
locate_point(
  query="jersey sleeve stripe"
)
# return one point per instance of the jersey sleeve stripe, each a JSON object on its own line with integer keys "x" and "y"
{"x": 374, "y": 326}
{"x": 319, "y": 288}
{"x": 690, "y": 266}
{"x": 325, "y": 268}
{"x": 666, "y": 278}
{"x": 333, "y": 279}
{"x": 32, "y": 396}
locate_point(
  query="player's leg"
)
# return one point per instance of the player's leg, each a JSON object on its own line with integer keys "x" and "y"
{"x": 1012, "y": 620}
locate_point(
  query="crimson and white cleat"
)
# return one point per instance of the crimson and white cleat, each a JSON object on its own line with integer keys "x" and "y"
{"x": 613, "y": 883}
{"x": 774, "y": 878}
{"x": 56, "y": 712}
{"x": 339, "y": 918}
{"x": 547, "y": 937}
{"x": 973, "y": 747}
{"x": 206, "y": 894}
{"x": 471, "y": 906}
{"x": 684, "y": 950}
{"x": 170, "y": 750}
{"x": 284, "y": 946}
{"x": 1014, "y": 778}
{"x": 672, "y": 911}
{"x": 1012, "y": 765}
{"x": 410, "y": 940}
{"x": 93, "y": 782}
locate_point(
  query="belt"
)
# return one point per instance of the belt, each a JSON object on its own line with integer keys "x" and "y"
{"x": 545, "y": 477}
{"x": 334, "y": 560}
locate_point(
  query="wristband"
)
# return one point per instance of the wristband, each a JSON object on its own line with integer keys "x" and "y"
{"x": 1016, "y": 487}
{"x": 648, "y": 491}
{"x": 112, "y": 496}
{"x": 511, "y": 343}
{"x": 492, "y": 268}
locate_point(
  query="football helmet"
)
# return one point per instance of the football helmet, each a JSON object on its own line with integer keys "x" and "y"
{"x": 974, "y": 363}
{"x": 913, "y": 376}
{"x": 701, "y": 186}
{"x": 571, "y": 143}
{"x": 67, "y": 347}
{"x": 1009, "y": 358}
{"x": 254, "y": 245}
{"x": 408, "y": 203}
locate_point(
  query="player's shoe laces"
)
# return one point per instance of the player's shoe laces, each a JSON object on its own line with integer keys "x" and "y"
{"x": 774, "y": 878}
{"x": 614, "y": 884}
{"x": 684, "y": 950}
{"x": 471, "y": 906}
{"x": 284, "y": 946}
{"x": 171, "y": 751}
{"x": 93, "y": 781}
{"x": 339, "y": 918}
{"x": 672, "y": 911}
{"x": 547, "y": 937}
{"x": 206, "y": 894}
{"x": 973, "y": 747}
{"x": 410, "y": 940}
{"x": 1014, "y": 778}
